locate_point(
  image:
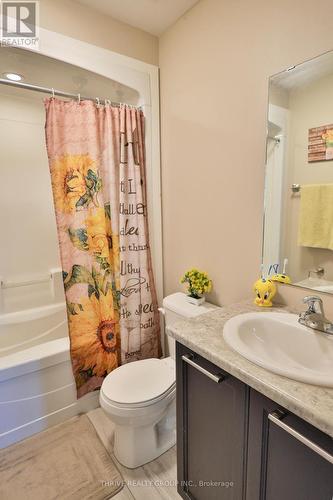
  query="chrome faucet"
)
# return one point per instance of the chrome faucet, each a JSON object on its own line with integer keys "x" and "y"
{"x": 314, "y": 317}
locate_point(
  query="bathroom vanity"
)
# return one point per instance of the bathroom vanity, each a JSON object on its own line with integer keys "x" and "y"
{"x": 244, "y": 432}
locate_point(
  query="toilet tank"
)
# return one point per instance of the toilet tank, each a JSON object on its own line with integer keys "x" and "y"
{"x": 175, "y": 308}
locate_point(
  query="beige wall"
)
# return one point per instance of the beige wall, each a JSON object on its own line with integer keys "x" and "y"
{"x": 77, "y": 21}
{"x": 215, "y": 62}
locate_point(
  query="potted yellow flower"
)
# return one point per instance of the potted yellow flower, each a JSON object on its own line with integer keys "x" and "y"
{"x": 198, "y": 283}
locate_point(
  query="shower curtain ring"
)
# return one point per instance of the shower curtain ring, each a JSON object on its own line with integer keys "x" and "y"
{"x": 53, "y": 93}
{"x": 97, "y": 102}
{"x": 79, "y": 98}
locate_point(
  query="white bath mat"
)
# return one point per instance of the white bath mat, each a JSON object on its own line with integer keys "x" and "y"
{"x": 66, "y": 462}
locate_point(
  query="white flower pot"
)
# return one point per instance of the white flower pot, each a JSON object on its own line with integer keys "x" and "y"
{"x": 196, "y": 302}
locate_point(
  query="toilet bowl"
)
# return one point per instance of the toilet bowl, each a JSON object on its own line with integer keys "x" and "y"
{"x": 140, "y": 397}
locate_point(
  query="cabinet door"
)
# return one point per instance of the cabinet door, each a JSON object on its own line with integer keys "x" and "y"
{"x": 287, "y": 458}
{"x": 211, "y": 423}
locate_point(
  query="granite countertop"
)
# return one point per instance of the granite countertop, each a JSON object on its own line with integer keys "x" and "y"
{"x": 204, "y": 335}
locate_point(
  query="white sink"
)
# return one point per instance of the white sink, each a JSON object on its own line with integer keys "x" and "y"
{"x": 277, "y": 342}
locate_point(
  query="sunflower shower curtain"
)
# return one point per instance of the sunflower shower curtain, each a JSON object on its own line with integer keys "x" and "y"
{"x": 97, "y": 165}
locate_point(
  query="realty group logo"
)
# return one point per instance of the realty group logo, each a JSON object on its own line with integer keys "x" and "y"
{"x": 19, "y": 24}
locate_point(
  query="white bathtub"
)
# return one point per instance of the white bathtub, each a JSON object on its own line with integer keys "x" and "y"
{"x": 37, "y": 387}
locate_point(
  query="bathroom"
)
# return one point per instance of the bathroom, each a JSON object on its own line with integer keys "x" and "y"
{"x": 225, "y": 109}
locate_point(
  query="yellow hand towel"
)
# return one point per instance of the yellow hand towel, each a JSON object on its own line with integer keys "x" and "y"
{"x": 316, "y": 216}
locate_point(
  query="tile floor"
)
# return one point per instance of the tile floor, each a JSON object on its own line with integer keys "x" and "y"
{"x": 156, "y": 480}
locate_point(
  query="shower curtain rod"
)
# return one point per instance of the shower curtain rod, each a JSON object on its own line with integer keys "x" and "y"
{"x": 54, "y": 92}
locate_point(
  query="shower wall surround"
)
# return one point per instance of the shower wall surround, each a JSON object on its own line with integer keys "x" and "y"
{"x": 31, "y": 241}
{"x": 29, "y": 249}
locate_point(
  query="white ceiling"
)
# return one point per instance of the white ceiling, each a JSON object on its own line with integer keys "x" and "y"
{"x": 153, "y": 16}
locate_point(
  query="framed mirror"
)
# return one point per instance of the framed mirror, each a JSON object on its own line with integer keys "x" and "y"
{"x": 298, "y": 200}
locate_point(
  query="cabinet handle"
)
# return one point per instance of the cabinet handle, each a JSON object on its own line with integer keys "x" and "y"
{"x": 188, "y": 358}
{"x": 276, "y": 417}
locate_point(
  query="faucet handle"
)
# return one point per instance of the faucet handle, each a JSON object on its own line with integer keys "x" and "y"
{"x": 311, "y": 301}
{"x": 313, "y": 318}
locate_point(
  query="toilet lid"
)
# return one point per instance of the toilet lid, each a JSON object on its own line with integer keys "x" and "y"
{"x": 139, "y": 381}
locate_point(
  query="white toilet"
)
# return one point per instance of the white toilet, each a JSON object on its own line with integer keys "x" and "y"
{"x": 139, "y": 397}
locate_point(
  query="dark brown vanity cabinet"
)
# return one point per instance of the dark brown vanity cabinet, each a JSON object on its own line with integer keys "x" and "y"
{"x": 211, "y": 430}
{"x": 288, "y": 458}
{"x": 235, "y": 444}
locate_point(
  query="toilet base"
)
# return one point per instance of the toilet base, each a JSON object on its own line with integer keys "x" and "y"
{"x": 136, "y": 446}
